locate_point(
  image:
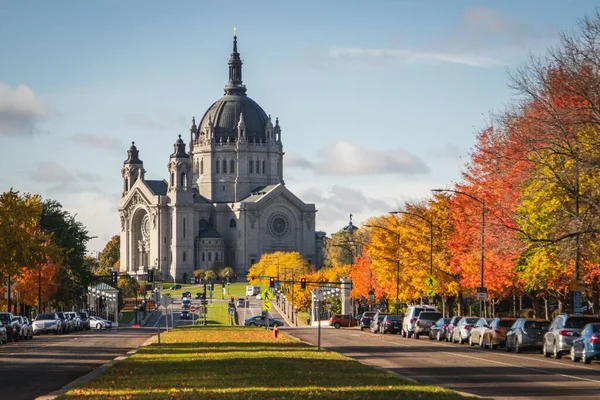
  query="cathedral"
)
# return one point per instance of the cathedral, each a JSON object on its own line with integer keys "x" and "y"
{"x": 224, "y": 202}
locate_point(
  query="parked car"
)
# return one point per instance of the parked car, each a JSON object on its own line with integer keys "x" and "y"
{"x": 563, "y": 330}
{"x": 96, "y": 322}
{"x": 411, "y": 316}
{"x": 26, "y": 331}
{"x": 84, "y": 317}
{"x": 462, "y": 331}
{"x": 107, "y": 323}
{"x": 187, "y": 303}
{"x": 186, "y": 295}
{"x": 259, "y": 320}
{"x": 3, "y": 335}
{"x": 47, "y": 323}
{"x": 67, "y": 325}
{"x": 496, "y": 335}
{"x": 526, "y": 333}
{"x": 391, "y": 324}
{"x": 450, "y": 329}
{"x": 424, "y": 322}
{"x": 185, "y": 314}
{"x": 176, "y": 287}
{"x": 12, "y": 325}
{"x": 74, "y": 321}
{"x": 365, "y": 320}
{"x": 439, "y": 329}
{"x": 345, "y": 320}
{"x": 479, "y": 331}
{"x": 376, "y": 322}
{"x": 587, "y": 346}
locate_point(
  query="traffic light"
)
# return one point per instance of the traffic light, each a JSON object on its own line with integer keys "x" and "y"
{"x": 272, "y": 282}
{"x": 150, "y": 275}
{"x": 303, "y": 283}
{"x": 114, "y": 276}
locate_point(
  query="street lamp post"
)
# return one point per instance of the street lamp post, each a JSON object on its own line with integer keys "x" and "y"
{"x": 397, "y": 305}
{"x": 482, "y": 202}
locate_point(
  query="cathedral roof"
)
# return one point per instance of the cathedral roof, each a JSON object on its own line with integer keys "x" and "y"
{"x": 259, "y": 193}
{"x": 157, "y": 187}
{"x": 209, "y": 233}
{"x": 224, "y": 114}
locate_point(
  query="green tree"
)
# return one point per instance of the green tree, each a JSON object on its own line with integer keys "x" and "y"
{"x": 226, "y": 273}
{"x": 109, "y": 256}
{"x": 199, "y": 273}
{"x": 210, "y": 275}
{"x": 128, "y": 286}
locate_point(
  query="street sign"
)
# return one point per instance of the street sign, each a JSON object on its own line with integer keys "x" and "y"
{"x": 430, "y": 281}
{"x": 267, "y": 306}
{"x": 193, "y": 308}
{"x": 430, "y": 292}
{"x": 266, "y": 295}
{"x": 577, "y": 302}
{"x": 444, "y": 298}
{"x": 482, "y": 290}
{"x": 481, "y": 296}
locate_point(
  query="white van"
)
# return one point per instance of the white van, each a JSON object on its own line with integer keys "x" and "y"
{"x": 252, "y": 290}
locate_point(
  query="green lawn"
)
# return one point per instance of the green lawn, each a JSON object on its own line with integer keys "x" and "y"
{"x": 245, "y": 363}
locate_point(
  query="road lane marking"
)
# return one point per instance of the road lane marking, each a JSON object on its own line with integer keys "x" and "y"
{"x": 505, "y": 363}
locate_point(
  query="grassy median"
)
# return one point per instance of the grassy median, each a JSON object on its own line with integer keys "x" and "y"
{"x": 245, "y": 363}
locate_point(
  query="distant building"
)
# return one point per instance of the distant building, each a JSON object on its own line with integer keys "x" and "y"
{"x": 224, "y": 202}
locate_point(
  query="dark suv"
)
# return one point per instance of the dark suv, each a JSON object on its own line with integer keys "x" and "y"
{"x": 563, "y": 330}
{"x": 365, "y": 320}
{"x": 12, "y": 325}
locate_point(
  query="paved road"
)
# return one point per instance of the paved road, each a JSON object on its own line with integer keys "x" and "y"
{"x": 491, "y": 374}
{"x": 33, "y": 368}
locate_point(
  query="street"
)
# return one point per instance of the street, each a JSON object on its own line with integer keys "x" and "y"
{"x": 33, "y": 368}
{"x": 490, "y": 374}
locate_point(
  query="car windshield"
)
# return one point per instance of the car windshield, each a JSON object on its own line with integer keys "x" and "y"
{"x": 455, "y": 320}
{"x": 595, "y": 328}
{"x": 506, "y": 323}
{"x": 381, "y": 318}
{"x": 579, "y": 322}
{"x": 394, "y": 318}
{"x": 42, "y": 317}
{"x": 471, "y": 320}
{"x": 540, "y": 325}
{"x": 4, "y": 318}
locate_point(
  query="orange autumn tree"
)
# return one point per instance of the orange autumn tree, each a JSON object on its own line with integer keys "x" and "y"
{"x": 364, "y": 279}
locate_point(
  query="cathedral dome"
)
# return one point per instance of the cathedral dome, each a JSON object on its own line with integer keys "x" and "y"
{"x": 224, "y": 114}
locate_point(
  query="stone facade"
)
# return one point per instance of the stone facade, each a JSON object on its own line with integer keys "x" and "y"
{"x": 224, "y": 203}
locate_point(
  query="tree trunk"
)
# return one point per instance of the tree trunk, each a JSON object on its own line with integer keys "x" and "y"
{"x": 546, "y": 308}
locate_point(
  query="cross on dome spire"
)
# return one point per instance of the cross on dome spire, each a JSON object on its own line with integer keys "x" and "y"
{"x": 235, "y": 85}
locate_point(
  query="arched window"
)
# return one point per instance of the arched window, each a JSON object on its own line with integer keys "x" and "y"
{"x": 202, "y": 166}
{"x": 172, "y": 179}
{"x": 224, "y": 166}
{"x": 184, "y": 256}
{"x": 126, "y": 184}
{"x": 264, "y": 165}
{"x": 216, "y": 256}
{"x": 203, "y": 256}
{"x": 250, "y": 166}
{"x": 210, "y": 256}
{"x": 217, "y": 165}
{"x": 257, "y": 167}
{"x": 182, "y": 181}
{"x": 184, "y": 228}
{"x": 232, "y": 223}
{"x": 232, "y": 167}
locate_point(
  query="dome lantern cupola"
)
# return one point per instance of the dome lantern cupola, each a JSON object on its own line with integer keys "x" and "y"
{"x": 133, "y": 155}
{"x": 179, "y": 149}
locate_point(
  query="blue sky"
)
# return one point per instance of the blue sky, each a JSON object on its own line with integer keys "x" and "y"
{"x": 379, "y": 102}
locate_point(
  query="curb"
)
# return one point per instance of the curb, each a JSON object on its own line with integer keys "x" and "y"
{"x": 82, "y": 380}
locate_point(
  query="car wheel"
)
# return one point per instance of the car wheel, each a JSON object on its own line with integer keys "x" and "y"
{"x": 574, "y": 358}
{"x": 585, "y": 359}
{"x": 557, "y": 353}
{"x": 417, "y": 335}
{"x": 430, "y": 336}
{"x": 361, "y": 328}
{"x": 439, "y": 336}
{"x": 98, "y": 325}
{"x": 252, "y": 324}
{"x": 471, "y": 341}
{"x": 518, "y": 348}
{"x": 545, "y": 351}
{"x": 507, "y": 348}
{"x": 336, "y": 325}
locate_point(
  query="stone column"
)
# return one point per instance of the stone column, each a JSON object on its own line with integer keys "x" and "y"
{"x": 346, "y": 287}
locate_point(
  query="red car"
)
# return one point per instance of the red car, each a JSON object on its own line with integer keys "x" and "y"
{"x": 339, "y": 320}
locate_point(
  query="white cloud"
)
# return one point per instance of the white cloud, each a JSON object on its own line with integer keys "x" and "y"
{"x": 20, "y": 110}
{"x": 412, "y": 56}
{"x": 295, "y": 160}
{"x": 345, "y": 158}
{"x": 97, "y": 140}
{"x": 60, "y": 180}
{"x": 484, "y": 38}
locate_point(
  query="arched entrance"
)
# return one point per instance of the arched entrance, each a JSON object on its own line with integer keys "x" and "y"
{"x": 140, "y": 235}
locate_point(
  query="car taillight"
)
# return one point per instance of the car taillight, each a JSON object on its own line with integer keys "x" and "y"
{"x": 387, "y": 322}
{"x": 565, "y": 333}
{"x": 444, "y": 326}
{"x": 418, "y": 322}
{"x": 497, "y": 330}
{"x": 595, "y": 339}
{"x": 412, "y": 321}
{"x": 467, "y": 327}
